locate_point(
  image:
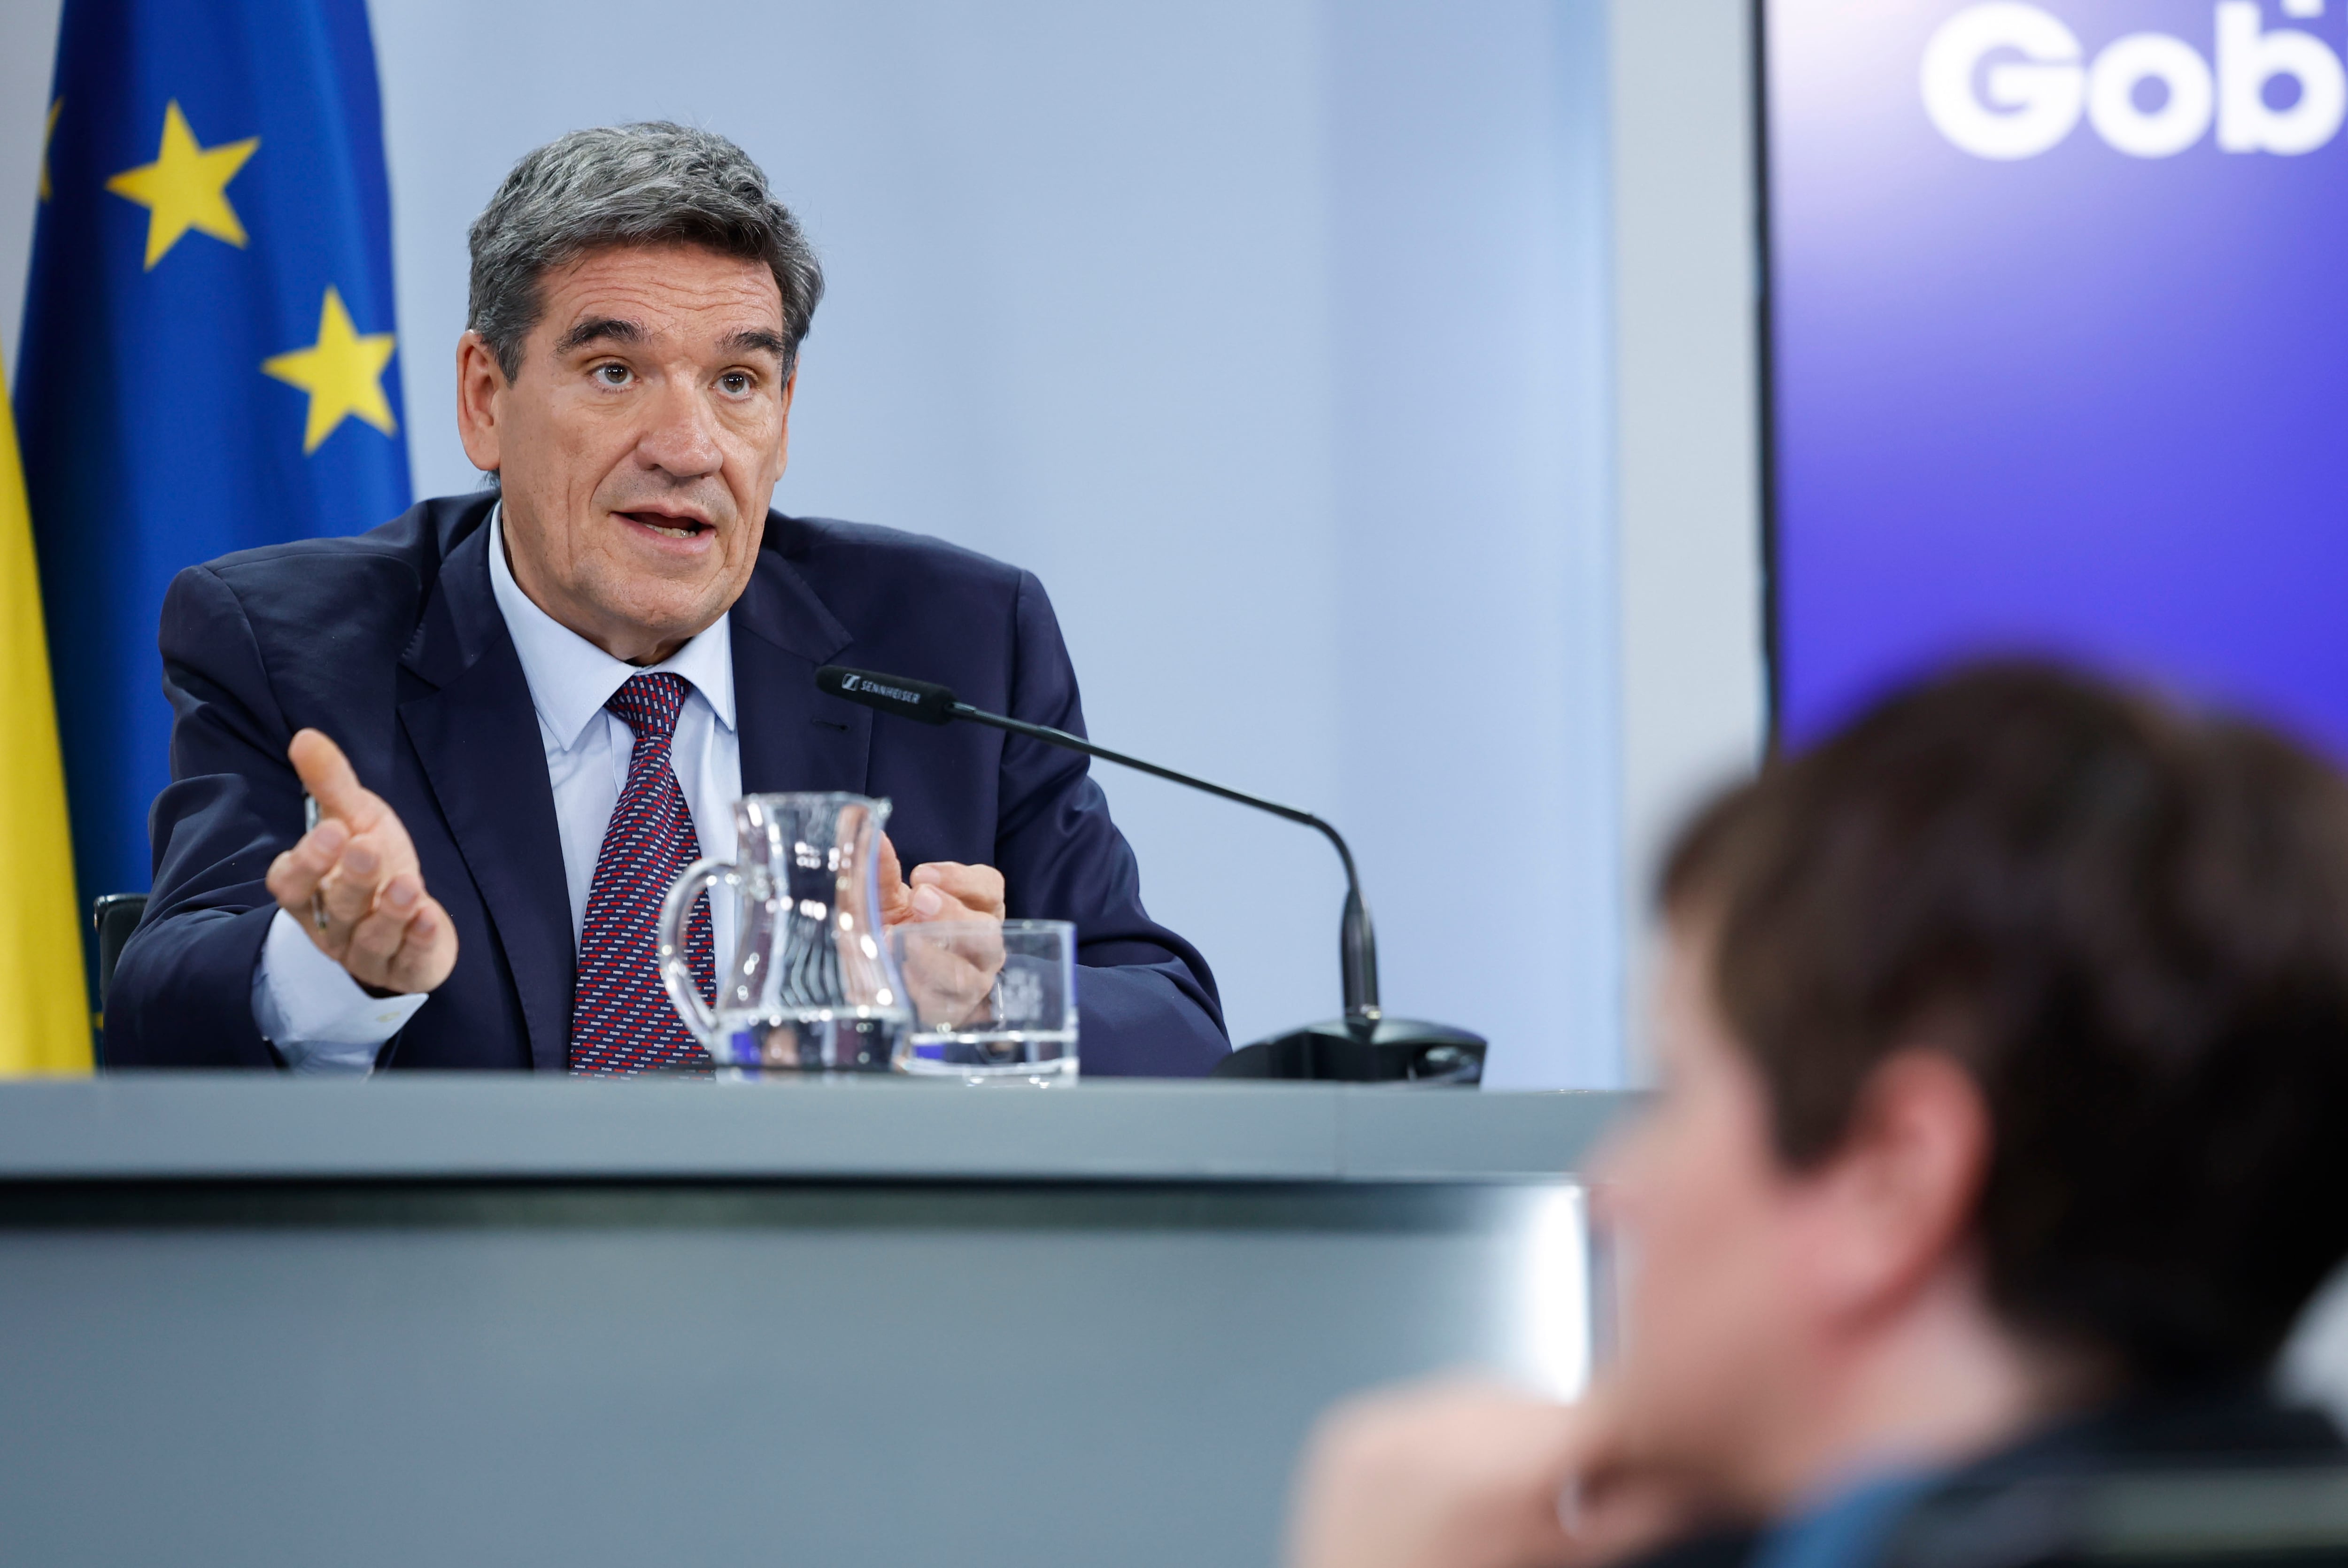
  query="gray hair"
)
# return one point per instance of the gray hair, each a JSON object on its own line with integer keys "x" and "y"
{"x": 649, "y": 184}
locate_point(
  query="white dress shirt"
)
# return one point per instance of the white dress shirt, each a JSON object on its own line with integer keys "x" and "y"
{"x": 321, "y": 1020}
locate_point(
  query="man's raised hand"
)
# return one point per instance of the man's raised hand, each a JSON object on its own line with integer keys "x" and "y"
{"x": 352, "y": 880}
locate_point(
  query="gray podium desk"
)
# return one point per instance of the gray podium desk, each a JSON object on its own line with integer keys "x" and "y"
{"x": 259, "y": 1320}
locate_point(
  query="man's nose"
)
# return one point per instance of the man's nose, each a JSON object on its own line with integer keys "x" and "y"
{"x": 681, "y": 440}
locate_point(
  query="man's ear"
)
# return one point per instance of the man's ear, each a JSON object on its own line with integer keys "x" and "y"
{"x": 479, "y": 380}
{"x": 1896, "y": 1200}
{"x": 791, "y": 390}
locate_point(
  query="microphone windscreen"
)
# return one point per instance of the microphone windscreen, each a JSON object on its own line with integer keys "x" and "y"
{"x": 923, "y": 700}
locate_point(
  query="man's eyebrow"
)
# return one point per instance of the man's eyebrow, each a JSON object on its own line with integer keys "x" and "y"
{"x": 772, "y": 342}
{"x": 600, "y": 328}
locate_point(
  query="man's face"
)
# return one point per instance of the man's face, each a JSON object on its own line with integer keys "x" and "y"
{"x": 1714, "y": 1232}
{"x": 639, "y": 445}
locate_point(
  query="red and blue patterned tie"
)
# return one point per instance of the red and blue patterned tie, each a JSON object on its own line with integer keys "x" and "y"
{"x": 622, "y": 1021}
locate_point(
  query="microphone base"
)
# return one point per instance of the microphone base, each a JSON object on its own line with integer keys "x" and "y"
{"x": 1343, "y": 1050}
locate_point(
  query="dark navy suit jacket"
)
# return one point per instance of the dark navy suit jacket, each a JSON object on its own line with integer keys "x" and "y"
{"x": 392, "y": 643}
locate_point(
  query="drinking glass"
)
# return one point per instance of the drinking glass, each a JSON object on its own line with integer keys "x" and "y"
{"x": 993, "y": 1001}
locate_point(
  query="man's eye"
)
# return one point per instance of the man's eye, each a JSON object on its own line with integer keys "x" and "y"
{"x": 735, "y": 382}
{"x": 613, "y": 374}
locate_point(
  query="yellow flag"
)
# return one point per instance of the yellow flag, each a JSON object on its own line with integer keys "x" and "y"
{"x": 44, "y": 1021}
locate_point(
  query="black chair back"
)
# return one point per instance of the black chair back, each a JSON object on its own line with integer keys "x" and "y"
{"x": 116, "y": 916}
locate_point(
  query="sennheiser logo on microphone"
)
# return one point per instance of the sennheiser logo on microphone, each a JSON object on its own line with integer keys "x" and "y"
{"x": 865, "y": 683}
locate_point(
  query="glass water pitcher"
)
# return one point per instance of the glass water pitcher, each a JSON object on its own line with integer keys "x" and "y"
{"x": 810, "y": 985}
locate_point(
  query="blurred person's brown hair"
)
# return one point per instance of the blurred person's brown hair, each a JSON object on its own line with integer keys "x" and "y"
{"x": 2129, "y": 923}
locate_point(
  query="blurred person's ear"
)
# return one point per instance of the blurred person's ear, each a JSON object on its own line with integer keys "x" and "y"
{"x": 1894, "y": 1202}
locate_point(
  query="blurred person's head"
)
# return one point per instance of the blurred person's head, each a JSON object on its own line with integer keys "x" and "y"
{"x": 2004, "y": 1062}
{"x": 638, "y": 302}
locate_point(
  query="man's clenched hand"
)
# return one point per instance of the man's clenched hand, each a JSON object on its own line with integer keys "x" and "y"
{"x": 358, "y": 871}
{"x": 942, "y": 890}
{"x": 949, "y": 979}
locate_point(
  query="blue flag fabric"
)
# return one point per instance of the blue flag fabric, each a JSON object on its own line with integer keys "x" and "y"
{"x": 208, "y": 352}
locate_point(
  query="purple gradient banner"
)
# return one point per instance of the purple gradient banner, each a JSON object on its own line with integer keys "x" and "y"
{"x": 2059, "y": 345}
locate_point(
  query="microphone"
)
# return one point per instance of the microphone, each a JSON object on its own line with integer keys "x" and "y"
{"x": 1363, "y": 1046}
{"x": 923, "y": 701}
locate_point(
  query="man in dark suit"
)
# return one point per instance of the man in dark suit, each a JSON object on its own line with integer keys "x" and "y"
{"x": 522, "y": 712}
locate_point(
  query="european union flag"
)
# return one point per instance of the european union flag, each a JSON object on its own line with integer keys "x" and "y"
{"x": 208, "y": 359}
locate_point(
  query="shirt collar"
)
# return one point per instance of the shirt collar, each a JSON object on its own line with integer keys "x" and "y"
{"x": 570, "y": 678}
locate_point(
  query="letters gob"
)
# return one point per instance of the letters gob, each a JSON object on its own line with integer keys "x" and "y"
{"x": 2008, "y": 80}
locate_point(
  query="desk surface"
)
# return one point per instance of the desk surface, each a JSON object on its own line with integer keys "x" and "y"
{"x": 255, "y": 1322}
{"x": 211, "y": 1126}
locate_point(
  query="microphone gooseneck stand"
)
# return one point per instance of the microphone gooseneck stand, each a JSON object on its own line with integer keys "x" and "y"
{"x": 1363, "y": 1046}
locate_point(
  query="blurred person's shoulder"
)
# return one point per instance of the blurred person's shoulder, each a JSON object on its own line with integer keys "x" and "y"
{"x": 1713, "y": 1548}
{"x": 2228, "y": 1477}
{"x": 2220, "y": 1476}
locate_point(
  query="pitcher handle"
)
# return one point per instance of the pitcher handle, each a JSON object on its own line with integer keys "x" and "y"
{"x": 676, "y": 973}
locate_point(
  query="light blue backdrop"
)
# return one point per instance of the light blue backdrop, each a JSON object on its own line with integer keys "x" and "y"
{"x": 1271, "y": 334}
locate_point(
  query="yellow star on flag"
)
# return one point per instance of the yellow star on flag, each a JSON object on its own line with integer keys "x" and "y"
{"x": 186, "y": 186}
{"x": 342, "y": 372}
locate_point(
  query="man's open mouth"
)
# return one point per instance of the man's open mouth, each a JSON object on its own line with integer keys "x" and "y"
{"x": 673, "y": 527}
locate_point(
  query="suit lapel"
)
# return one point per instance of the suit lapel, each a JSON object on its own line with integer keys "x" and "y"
{"x": 477, "y": 736}
{"x": 792, "y": 736}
